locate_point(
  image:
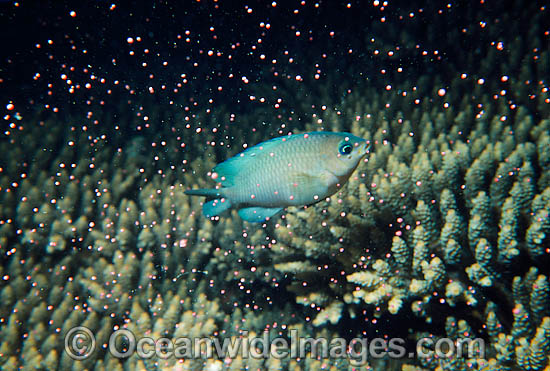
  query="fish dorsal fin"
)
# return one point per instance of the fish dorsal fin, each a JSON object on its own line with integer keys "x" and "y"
{"x": 240, "y": 165}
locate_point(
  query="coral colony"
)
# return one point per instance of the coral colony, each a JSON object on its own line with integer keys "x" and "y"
{"x": 110, "y": 113}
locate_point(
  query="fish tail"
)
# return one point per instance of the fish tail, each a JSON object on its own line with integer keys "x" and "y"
{"x": 215, "y": 207}
{"x": 208, "y": 193}
{"x": 215, "y": 202}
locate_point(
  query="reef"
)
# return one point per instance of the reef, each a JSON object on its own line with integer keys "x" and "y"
{"x": 443, "y": 231}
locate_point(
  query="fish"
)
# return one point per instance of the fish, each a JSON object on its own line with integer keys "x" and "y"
{"x": 292, "y": 170}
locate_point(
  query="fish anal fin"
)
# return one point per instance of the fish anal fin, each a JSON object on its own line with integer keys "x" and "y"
{"x": 257, "y": 214}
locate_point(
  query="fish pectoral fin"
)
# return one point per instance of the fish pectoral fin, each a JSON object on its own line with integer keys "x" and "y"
{"x": 304, "y": 178}
{"x": 325, "y": 178}
{"x": 258, "y": 214}
{"x": 307, "y": 185}
{"x": 328, "y": 178}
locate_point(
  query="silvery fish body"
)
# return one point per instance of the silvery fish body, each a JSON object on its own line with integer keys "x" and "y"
{"x": 293, "y": 170}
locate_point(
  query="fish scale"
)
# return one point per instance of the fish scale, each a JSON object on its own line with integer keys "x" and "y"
{"x": 272, "y": 182}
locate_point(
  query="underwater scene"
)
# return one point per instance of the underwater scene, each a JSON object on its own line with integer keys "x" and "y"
{"x": 275, "y": 185}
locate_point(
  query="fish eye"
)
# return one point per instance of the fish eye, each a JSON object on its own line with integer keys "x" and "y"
{"x": 346, "y": 148}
